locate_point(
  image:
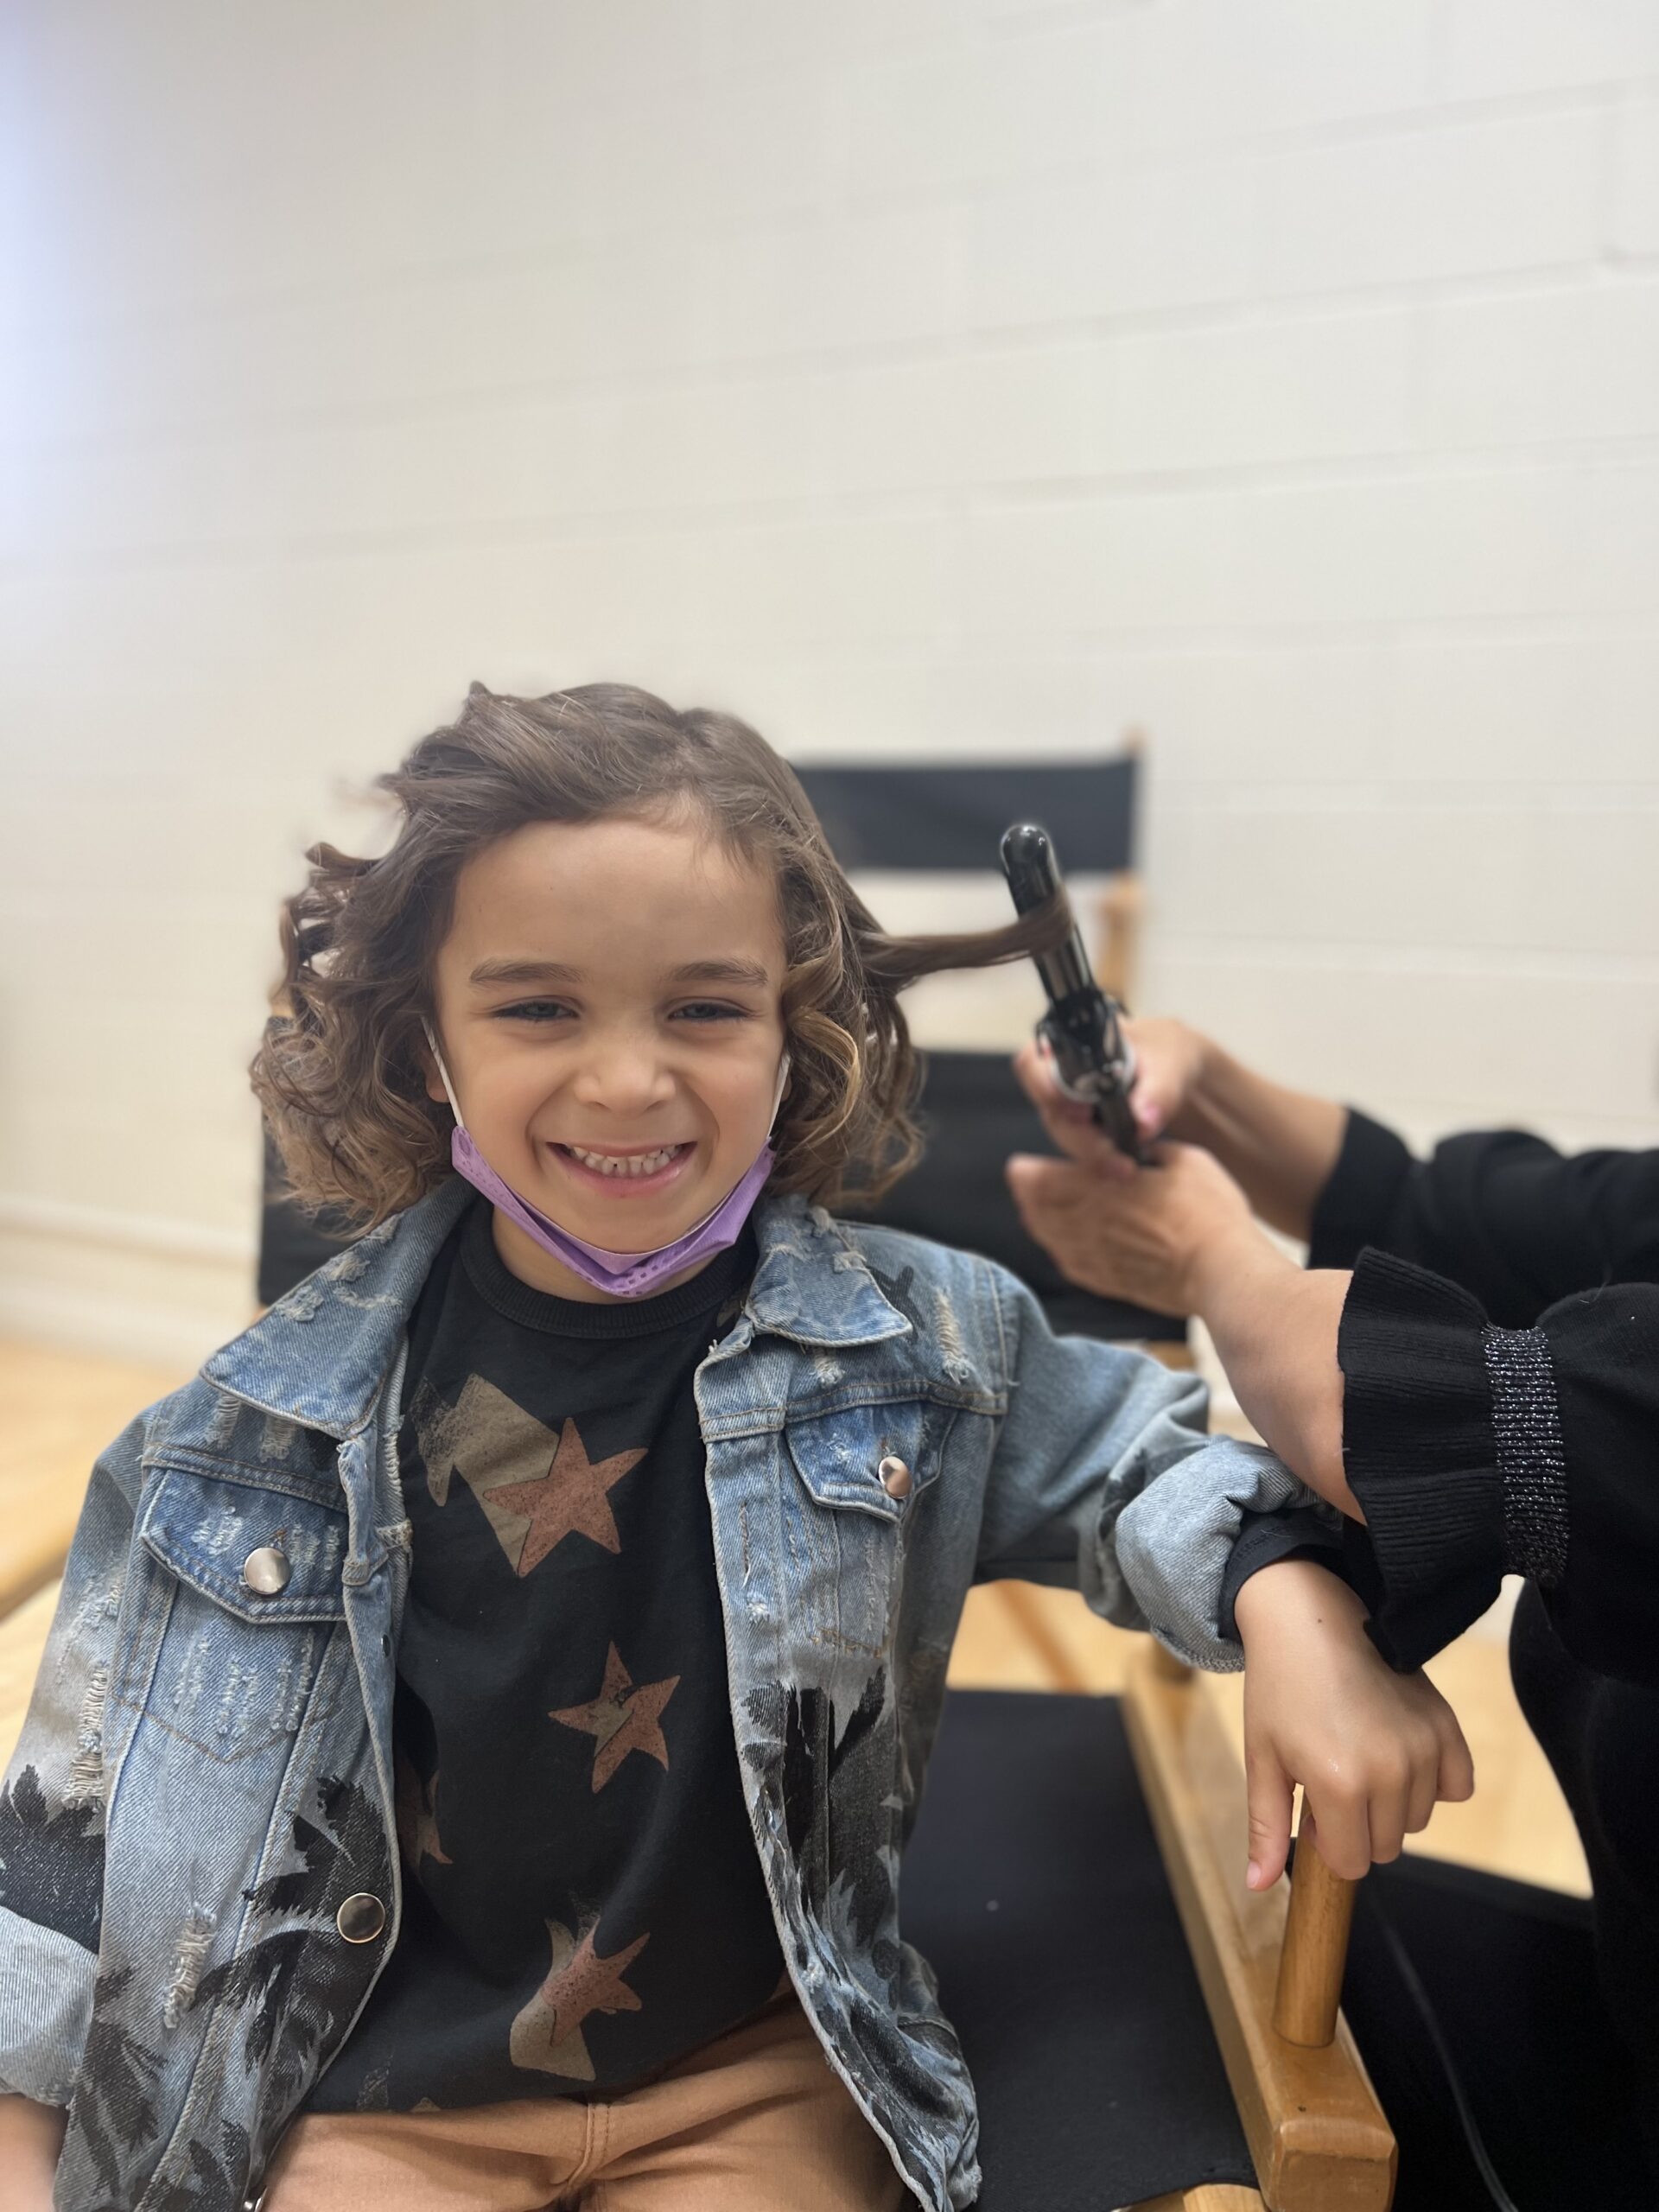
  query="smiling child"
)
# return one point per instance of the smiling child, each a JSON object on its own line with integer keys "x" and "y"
{"x": 474, "y": 1757}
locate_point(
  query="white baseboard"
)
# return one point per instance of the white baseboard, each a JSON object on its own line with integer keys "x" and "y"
{"x": 126, "y": 1287}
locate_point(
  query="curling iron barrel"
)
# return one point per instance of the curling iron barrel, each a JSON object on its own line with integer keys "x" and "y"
{"x": 1093, "y": 1061}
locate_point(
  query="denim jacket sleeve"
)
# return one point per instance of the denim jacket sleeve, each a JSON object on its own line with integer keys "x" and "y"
{"x": 1104, "y": 1480}
{"x": 52, "y": 1806}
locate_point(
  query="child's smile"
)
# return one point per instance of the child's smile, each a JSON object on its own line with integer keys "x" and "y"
{"x": 608, "y": 1000}
{"x": 619, "y": 1173}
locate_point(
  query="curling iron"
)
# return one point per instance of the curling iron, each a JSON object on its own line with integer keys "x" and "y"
{"x": 1093, "y": 1060}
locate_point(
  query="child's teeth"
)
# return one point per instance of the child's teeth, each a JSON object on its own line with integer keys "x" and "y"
{"x": 646, "y": 1163}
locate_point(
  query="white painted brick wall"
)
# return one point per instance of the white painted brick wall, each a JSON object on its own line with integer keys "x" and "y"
{"x": 946, "y": 376}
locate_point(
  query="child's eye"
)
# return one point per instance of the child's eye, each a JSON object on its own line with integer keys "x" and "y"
{"x": 535, "y": 1010}
{"x": 710, "y": 1010}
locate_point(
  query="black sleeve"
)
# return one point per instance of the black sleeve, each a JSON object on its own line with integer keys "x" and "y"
{"x": 1359, "y": 1200}
{"x": 1303, "y": 1532}
{"x": 1515, "y": 1222}
{"x": 1475, "y": 1451}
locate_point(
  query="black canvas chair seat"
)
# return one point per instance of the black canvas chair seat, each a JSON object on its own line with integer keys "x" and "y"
{"x": 1034, "y": 1885}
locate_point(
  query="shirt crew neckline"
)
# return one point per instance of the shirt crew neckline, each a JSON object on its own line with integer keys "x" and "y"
{"x": 726, "y": 1273}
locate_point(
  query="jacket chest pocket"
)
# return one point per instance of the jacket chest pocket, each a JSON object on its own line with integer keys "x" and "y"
{"x": 254, "y": 1642}
{"x": 862, "y": 1475}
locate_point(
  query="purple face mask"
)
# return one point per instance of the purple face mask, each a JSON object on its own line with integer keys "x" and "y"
{"x": 621, "y": 1274}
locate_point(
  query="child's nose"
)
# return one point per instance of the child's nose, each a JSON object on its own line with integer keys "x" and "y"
{"x": 624, "y": 1082}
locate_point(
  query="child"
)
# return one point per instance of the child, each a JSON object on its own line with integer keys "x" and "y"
{"x": 474, "y": 1754}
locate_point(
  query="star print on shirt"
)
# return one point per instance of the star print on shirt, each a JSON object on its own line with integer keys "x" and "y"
{"x": 547, "y": 2036}
{"x": 569, "y": 1496}
{"x": 621, "y": 1719}
{"x": 530, "y": 1512}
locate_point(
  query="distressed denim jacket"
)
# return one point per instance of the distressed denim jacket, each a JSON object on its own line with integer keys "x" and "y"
{"x": 199, "y": 1873}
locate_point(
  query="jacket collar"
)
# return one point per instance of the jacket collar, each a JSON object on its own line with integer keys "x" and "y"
{"x": 321, "y": 1355}
{"x": 812, "y": 1283}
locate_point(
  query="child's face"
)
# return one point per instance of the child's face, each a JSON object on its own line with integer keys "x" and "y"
{"x": 608, "y": 1005}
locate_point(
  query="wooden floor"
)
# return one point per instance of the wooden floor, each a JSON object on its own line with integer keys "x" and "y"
{"x": 58, "y": 1409}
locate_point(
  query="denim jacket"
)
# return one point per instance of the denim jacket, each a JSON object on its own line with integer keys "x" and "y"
{"x": 198, "y": 1873}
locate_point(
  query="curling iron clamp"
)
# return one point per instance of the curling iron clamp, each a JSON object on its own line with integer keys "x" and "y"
{"x": 1093, "y": 1061}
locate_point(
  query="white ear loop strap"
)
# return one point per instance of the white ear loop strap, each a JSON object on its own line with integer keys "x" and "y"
{"x": 443, "y": 1074}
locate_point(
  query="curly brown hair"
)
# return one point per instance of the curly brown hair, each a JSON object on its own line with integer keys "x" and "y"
{"x": 342, "y": 1073}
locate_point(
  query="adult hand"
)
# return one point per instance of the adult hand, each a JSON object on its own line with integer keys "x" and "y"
{"x": 1178, "y": 1237}
{"x": 1169, "y": 1064}
{"x": 1148, "y": 1235}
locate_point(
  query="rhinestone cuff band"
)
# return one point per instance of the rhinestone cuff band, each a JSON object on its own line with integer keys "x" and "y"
{"x": 1531, "y": 1462}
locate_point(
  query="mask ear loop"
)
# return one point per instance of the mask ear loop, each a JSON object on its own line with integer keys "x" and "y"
{"x": 443, "y": 1073}
{"x": 777, "y": 1096}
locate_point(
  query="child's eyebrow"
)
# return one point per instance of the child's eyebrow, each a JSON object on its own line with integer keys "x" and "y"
{"x": 748, "y": 972}
{"x": 721, "y": 971}
{"x": 523, "y": 971}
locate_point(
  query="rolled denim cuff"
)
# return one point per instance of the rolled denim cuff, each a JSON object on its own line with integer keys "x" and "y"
{"x": 1175, "y": 1541}
{"x": 46, "y": 2001}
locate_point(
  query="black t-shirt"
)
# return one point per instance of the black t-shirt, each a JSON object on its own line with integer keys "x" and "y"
{"x": 583, "y": 1900}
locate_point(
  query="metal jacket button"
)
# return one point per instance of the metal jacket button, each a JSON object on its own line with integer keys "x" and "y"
{"x": 266, "y": 1571}
{"x": 361, "y": 1918}
{"x": 895, "y": 1477}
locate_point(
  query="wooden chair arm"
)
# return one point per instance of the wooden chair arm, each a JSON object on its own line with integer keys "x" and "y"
{"x": 1316, "y": 2132}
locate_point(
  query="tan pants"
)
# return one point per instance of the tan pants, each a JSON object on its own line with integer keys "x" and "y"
{"x": 754, "y": 2122}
